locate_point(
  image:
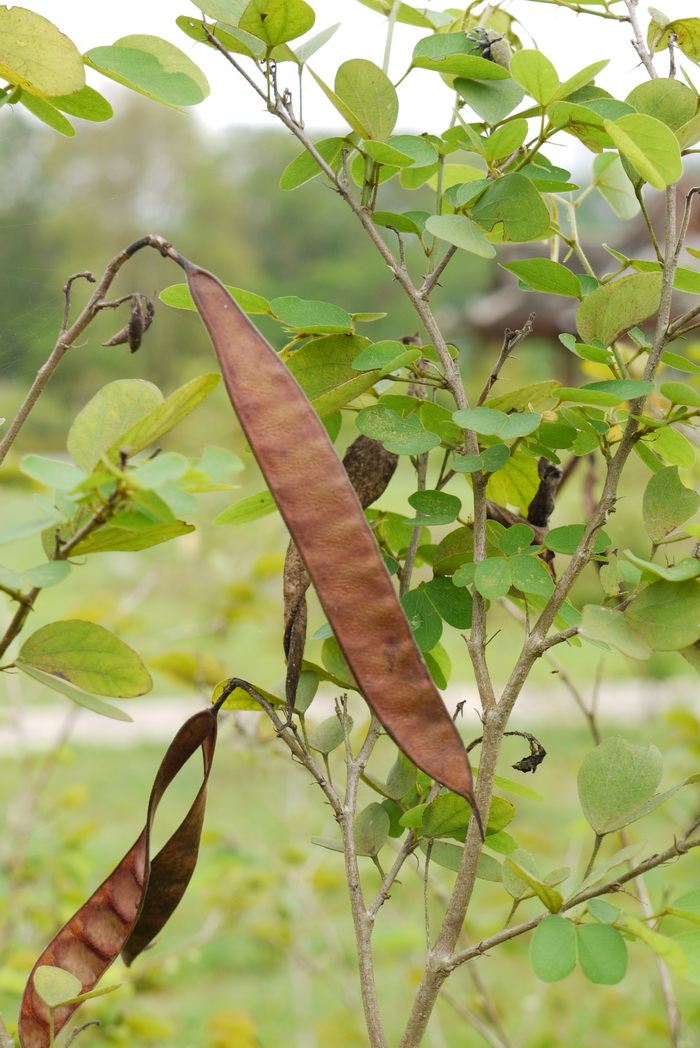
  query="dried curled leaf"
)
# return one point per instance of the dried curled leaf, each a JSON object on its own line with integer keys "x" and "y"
{"x": 131, "y": 906}
{"x": 142, "y": 311}
{"x": 325, "y": 519}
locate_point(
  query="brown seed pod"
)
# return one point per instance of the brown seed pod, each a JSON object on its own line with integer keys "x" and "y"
{"x": 132, "y": 905}
{"x": 325, "y": 520}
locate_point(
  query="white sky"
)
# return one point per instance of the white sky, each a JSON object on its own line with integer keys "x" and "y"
{"x": 571, "y": 41}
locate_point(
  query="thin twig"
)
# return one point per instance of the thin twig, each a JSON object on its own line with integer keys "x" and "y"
{"x": 678, "y": 848}
{"x": 511, "y": 339}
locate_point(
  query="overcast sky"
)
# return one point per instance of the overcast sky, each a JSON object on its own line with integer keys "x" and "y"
{"x": 571, "y": 41}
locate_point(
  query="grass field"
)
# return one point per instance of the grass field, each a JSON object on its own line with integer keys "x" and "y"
{"x": 261, "y": 948}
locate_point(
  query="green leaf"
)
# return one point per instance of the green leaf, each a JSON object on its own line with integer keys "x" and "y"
{"x": 86, "y": 104}
{"x": 178, "y": 296}
{"x": 423, "y": 619}
{"x": 462, "y": 232}
{"x": 36, "y": 56}
{"x": 312, "y": 317}
{"x": 452, "y": 53}
{"x": 77, "y": 695}
{"x": 452, "y": 604}
{"x": 250, "y": 508}
{"x": 402, "y": 777}
{"x": 536, "y": 74}
{"x": 670, "y": 951}
{"x": 690, "y": 944}
{"x": 164, "y": 417}
{"x": 506, "y": 139}
{"x": 434, "y": 507}
{"x": 687, "y": 31}
{"x": 55, "y": 985}
{"x": 681, "y": 393}
{"x": 611, "y": 627}
{"x": 516, "y": 538}
{"x": 52, "y": 473}
{"x": 88, "y": 656}
{"x": 650, "y": 146}
{"x": 277, "y": 21}
{"x": 602, "y": 953}
{"x": 686, "y": 568}
{"x": 566, "y": 539}
{"x": 492, "y": 100}
{"x": 48, "y": 574}
{"x": 622, "y": 388}
{"x": 552, "y": 899}
{"x": 523, "y": 862}
{"x": 117, "y": 405}
{"x": 530, "y": 575}
{"x": 666, "y": 100}
{"x": 487, "y": 421}
{"x": 614, "y": 308}
{"x": 385, "y": 356}
{"x": 371, "y": 829}
{"x": 583, "y": 77}
{"x": 516, "y": 481}
{"x": 303, "y": 168}
{"x": 404, "y": 436}
{"x": 368, "y": 95}
{"x": 617, "y": 859}
{"x": 328, "y": 735}
{"x": 541, "y": 274}
{"x": 587, "y": 396}
{"x": 492, "y": 577}
{"x": 324, "y": 370}
{"x": 512, "y": 209}
{"x": 48, "y": 113}
{"x": 667, "y": 503}
{"x": 614, "y": 185}
{"x": 536, "y": 395}
{"x": 614, "y": 779}
{"x": 120, "y": 534}
{"x": 667, "y": 614}
{"x": 152, "y": 67}
{"x": 553, "y": 949}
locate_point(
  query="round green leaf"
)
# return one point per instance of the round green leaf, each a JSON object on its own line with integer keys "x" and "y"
{"x": 55, "y": 985}
{"x": 512, "y": 209}
{"x": 328, "y": 735}
{"x": 529, "y": 574}
{"x": 370, "y": 95}
{"x": 611, "y": 627}
{"x": 681, "y": 393}
{"x": 437, "y": 506}
{"x": 152, "y": 67}
{"x": 486, "y": 421}
{"x": 310, "y": 316}
{"x": 667, "y": 503}
{"x": 77, "y": 695}
{"x": 602, "y": 953}
{"x": 566, "y": 538}
{"x": 614, "y": 308}
{"x": 553, "y": 948}
{"x": 492, "y": 577}
{"x": 667, "y": 614}
{"x": 667, "y": 100}
{"x": 107, "y": 415}
{"x": 47, "y": 113}
{"x": 88, "y": 656}
{"x": 371, "y": 829}
{"x": 452, "y": 604}
{"x": 277, "y": 21}
{"x": 615, "y": 778}
{"x": 36, "y": 56}
{"x": 536, "y": 74}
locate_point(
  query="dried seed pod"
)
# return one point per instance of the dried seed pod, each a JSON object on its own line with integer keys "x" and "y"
{"x": 325, "y": 520}
{"x": 131, "y": 906}
{"x": 139, "y": 322}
